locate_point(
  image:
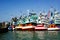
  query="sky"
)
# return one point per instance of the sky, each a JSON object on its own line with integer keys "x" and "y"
{"x": 16, "y": 8}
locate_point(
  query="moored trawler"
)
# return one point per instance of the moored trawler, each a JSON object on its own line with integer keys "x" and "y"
{"x": 28, "y": 22}
{"x": 54, "y": 21}
{"x": 41, "y": 23}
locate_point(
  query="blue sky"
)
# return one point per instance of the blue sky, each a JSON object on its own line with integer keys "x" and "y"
{"x": 12, "y": 8}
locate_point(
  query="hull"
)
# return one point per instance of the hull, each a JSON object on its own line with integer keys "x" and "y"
{"x": 25, "y": 28}
{"x": 53, "y": 29}
{"x": 40, "y": 27}
{"x": 28, "y": 28}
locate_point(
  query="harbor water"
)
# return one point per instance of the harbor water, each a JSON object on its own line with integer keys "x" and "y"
{"x": 30, "y": 35}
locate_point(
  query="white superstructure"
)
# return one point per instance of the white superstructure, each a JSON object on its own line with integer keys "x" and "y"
{"x": 57, "y": 17}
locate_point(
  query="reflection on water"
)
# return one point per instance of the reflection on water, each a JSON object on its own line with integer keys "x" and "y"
{"x": 54, "y": 35}
{"x": 30, "y": 35}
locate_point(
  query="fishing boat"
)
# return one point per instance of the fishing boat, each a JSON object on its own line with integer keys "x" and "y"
{"x": 41, "y": 25}
{"x": 27, "y": 22}
{"x": 55, "y": 21}
{"x": 3, "y": 27}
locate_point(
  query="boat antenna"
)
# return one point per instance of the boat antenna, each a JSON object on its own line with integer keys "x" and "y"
{"x": 28, "y": 12}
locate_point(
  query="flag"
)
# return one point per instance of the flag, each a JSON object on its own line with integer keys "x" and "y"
{"x": 48, "y": 15}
